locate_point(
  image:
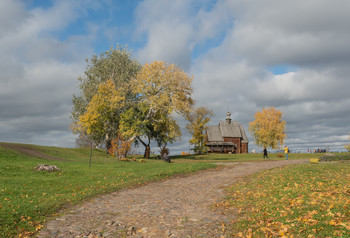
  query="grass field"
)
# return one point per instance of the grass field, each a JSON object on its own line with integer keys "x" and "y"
{"x": 239, "y": 157}
{"x": 309, "y": 200}
{"x": 29, "y": 198}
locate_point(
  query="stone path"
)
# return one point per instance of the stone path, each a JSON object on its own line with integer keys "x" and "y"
{"x": 177, "y": 207}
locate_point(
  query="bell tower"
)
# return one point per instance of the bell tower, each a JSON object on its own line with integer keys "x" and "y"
{"x": 228, "y": 117}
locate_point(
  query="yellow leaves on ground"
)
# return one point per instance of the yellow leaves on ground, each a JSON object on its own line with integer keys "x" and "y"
{"x": 304, "y": 201}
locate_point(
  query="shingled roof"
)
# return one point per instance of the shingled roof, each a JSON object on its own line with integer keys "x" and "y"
{"x": 226, "y": 129}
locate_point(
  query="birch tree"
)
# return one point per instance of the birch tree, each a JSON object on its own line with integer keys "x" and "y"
{"x": 162, "y": 90}
{"x": 268, "y": 129}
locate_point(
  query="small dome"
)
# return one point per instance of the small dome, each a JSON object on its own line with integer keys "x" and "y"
{"x": 228, "y": 117}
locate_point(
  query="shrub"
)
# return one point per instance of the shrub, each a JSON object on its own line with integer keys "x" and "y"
{"x": 314, "y": 160}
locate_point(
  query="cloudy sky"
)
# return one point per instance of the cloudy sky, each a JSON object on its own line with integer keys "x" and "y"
{"x": 244, "y": 55}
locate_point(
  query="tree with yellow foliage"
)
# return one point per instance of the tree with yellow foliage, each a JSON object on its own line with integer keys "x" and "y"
{"x": 101, "y": 118}
{"x": 142, "y": 109}
{"x": 198, "y": 119}
{"x": 163, "y": 90}
{"x": 117, "y": 65}
{"x": 268, "y": 129}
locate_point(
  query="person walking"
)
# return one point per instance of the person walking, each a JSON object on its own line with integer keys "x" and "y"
{"x": 265, "y": 153}
{"x": 286, "y": 150}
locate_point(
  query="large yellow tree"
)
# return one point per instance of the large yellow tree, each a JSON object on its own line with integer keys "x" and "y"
{"x": 268, "y": 129}
{"x": 162, "y": 91}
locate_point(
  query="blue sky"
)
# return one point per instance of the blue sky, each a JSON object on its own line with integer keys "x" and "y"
{"x": 243, "y": 54}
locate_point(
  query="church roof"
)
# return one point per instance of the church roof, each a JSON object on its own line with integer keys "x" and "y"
{"x": 226, "y": 128}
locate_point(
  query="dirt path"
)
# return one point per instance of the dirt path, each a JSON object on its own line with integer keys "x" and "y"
{"x": 177, "y": 207}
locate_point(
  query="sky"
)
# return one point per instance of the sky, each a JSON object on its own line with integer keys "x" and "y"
{"x": 244, "y": 55}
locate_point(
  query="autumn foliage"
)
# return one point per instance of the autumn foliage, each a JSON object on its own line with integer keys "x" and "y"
{"x": 120, "y": 147}
{"x": 116, "y": 66}
{"x": 268, "y": 128}
{"x": 164, "y": 87}
{"x": 161, "y": 91}
{"x": 142, "y": 109}
{"x": 198, "y": 119}
{"x": 100, "y": 116}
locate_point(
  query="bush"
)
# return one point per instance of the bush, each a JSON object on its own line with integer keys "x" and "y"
{"x": 314, "y": 160}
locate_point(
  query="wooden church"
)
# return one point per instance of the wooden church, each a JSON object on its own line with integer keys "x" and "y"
{"x": 227, "y": 137}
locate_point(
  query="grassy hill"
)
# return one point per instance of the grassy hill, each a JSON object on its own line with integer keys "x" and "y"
{"x": 28, "y": 197}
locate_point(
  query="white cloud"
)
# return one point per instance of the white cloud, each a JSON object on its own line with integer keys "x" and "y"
{"x": 174, "y": 28}
{"x": 39, "y": 72}
{"x": 229, "y": 46}
{"x": 164, "y": 44}
{"x": 297, "y": 32}
{"x": 312, "y": 37}
{"x": 12, "y": 15}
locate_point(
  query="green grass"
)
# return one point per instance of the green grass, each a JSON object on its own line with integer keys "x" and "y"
{"x": 301, "y": 201}
{"x": 335, "y": 157}
{"x": 29, "y": 198}
{"x": 242, "y": 157}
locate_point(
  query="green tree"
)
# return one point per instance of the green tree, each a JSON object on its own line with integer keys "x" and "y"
{"x": 162, "y": 91}
{"x": 198, "y": 119}
{"x": 118, "y": 65}
{"x": 268, "y": 129}
{"x": 139, "y": 124}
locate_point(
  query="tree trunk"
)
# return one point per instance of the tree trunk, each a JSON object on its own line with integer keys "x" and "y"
{"x": 147, "y": 147}
{"x": 108, "y": 143}
{"x": 147, "y": 151}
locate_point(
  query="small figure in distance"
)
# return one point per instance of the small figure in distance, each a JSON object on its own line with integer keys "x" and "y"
{"x": 286, "y": 150}
{"x": 265, "y": 153}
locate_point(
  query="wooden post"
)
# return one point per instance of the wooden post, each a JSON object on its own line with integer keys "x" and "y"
{"x": 91, "y": 153}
